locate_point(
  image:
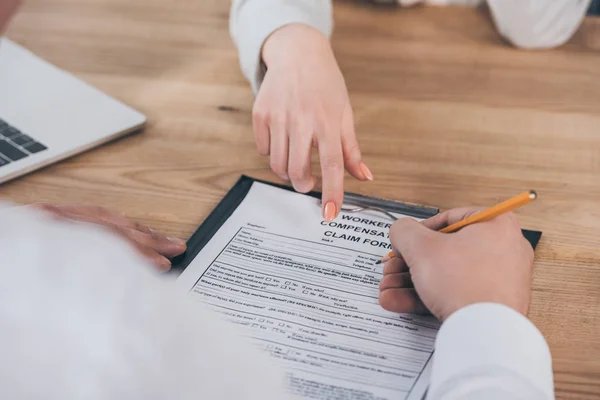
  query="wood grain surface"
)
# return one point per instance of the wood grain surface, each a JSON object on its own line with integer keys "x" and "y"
{"x": 447, "y": 114}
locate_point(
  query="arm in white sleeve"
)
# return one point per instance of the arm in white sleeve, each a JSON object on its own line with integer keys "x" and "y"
{"x": 83, "y": 317}
{"x": 538, "y": 24}
{"x": 252, "y": 22}
{"x": 489, "y": 351}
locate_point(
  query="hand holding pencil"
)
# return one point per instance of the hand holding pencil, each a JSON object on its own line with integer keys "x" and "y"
{"x": 489, "y": 262}
{"x": 486, "y": 215}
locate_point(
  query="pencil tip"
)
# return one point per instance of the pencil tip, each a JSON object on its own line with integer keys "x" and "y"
{"x": 378, "y": 262}
{"x": 532, "y": 194}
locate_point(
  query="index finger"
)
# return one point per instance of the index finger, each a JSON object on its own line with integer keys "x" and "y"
{"x": 450, "y": 217}
{"x": 332, "y": 169}
{"x": 102, "y": 215}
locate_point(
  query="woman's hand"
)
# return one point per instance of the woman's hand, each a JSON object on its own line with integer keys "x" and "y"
{"x": 303, "y": 103}
{"x": 155, "y": 246}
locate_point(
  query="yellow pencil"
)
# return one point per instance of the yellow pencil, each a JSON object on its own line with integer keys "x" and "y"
{"x": 486, "y": 215}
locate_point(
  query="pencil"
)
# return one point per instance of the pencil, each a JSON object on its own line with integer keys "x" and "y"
{"x": 486, "y": 215}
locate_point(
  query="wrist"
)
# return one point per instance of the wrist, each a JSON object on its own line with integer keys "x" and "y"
{"x": 521, "y": 306}
{"x": 293, "y": 40}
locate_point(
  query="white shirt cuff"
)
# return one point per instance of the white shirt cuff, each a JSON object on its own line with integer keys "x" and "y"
{"x": 252, "y": 22}
{"x": 491, "y": 337}
{"x": 538, "y": 24}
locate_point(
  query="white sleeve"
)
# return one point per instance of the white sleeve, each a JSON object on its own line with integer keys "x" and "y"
{"x": 252, "y": 22}
{"x": 83, "y": 317}
{"x": 538, "y": 24}
{"x": 489, "y": 351}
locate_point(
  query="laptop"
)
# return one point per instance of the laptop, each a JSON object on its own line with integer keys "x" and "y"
{"x": 47, "y": 115}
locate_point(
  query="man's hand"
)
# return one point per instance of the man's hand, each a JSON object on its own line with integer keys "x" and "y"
{"x": 153, "y": 245}
{"x": 442, "y": 273}
{"x": 303, "y": 102}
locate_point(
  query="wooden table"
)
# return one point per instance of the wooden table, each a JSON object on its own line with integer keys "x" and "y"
{"x": 446, "y": 113}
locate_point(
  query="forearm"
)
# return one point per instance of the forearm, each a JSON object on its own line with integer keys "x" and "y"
{"x": 538, "y": 24}
{"x": 253, "y": 21}
{"x": 488, "y": 351}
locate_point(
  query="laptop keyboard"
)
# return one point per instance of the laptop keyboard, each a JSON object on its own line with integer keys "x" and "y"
{"x": 14, "y": 145}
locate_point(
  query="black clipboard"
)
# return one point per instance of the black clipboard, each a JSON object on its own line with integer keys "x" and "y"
{"x": 238, "y": 193}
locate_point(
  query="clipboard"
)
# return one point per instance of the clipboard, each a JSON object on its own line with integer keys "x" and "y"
{"x": 238, "y": 193}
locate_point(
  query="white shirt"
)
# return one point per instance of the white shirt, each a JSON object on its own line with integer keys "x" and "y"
{"x": 83, "y": 317}
{"x": 491, "y": 352}
{"x": 528, "y": 24}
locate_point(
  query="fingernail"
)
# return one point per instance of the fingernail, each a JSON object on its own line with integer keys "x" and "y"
{"x": 165, "y": 264}
{"x": 304, "y": 186}
{"x": 176, "y": 240}
{"x": 330, "y": 211}
{"x": 365, "y": 170}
